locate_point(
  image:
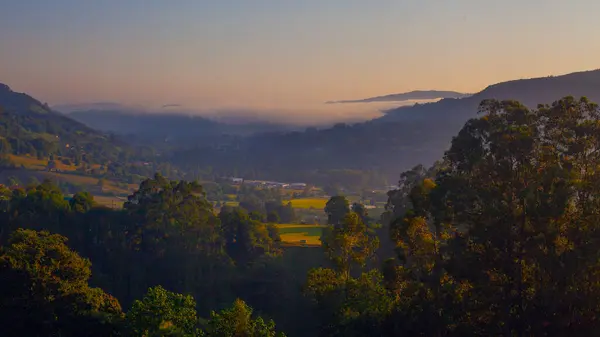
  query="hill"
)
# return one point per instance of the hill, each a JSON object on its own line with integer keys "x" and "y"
{"x": 531, "y": 92}
{"x": 407, "y": 96}
{"x": 28, "y": 126}
{"x": 385, "y": 146}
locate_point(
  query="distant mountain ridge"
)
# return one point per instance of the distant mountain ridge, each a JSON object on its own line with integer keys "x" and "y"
{"x": 531, "y": 92}
{"x": 407, "y": 96}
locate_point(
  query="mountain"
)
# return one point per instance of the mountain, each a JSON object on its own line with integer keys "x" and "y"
{"x": 415, "y": 95}
{"x": 390, "y": 144}
{"x": 28, "y": 126}
{"x": 531, "y": 92}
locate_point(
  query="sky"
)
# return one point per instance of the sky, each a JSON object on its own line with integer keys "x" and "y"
{"x": 282, "y": 56}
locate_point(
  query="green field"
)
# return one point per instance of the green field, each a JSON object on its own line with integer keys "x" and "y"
{"x": 316, "y": 203}
{"x": 293, "y": 234}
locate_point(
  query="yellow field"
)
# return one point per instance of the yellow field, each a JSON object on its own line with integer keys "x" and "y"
{"x": 300, "y": 235}
{"x": 317, "y": 203}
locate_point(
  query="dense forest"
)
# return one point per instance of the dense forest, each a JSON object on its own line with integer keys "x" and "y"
{"x": 500, "y": 237}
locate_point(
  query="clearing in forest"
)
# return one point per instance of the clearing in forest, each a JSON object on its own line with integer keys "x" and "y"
{"x": 300, "y": 235}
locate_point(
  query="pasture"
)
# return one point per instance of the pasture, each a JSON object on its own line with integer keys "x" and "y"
{"x": 34, "y": 163}
{"x": 294, "y": 234}
{"x": 316, "y": 203}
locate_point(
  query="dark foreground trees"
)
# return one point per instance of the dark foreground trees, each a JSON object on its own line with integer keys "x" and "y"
{"x": 499, "y": 239}
{"x": 505, "y": 240}
{"x": 45, "y": 292}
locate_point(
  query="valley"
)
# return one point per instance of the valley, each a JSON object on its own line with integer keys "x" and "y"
{"x": 360, "y": 227}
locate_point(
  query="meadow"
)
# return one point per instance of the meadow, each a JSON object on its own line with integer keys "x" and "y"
{"x": 294, "y": 234}
{"x": 316, "y": 203}
{"x": 33, "y": 163}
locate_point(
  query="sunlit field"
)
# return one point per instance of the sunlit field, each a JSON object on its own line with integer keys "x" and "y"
{"x": 298, "y": 235}
{"x": 317, "y": 203}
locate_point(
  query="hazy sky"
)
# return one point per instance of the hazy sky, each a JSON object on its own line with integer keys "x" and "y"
{"x": 285, "y": 53}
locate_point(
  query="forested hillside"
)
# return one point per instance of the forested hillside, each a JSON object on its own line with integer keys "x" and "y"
{"x": 29, "y": 127}
{"x": 37, "y": 143}
{"x": 499, "y": 238}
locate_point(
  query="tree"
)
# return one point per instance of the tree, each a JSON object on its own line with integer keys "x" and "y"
{"x": 237, "y": 321}
{"x": 274, "y": 233}
{"x": 501, "y": 242}
{"x": 82, "y": 202}
{"x": 494, "y": 169}
{"x": 5, "y": 147}
{"x": 45, "y": 290}
{"x": 349, "y": 243}
{"x": 172, "y": 227}
{"x": 256, "y": 216}
{"x": 40, "y": 207}
{"x": 348, "y": 306}
{"x": 336, "y": 209}
{"x": 178, "y": 208}
{"x": 252, "y": 203}
{"x": 245, "y": 239}
{"x": 161, "y": 312}
{"x": 286, "y": 213}
{"x": 362, "y": 212}
{"x": 13, "y": 181}
{"x": 273, "y": 217}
